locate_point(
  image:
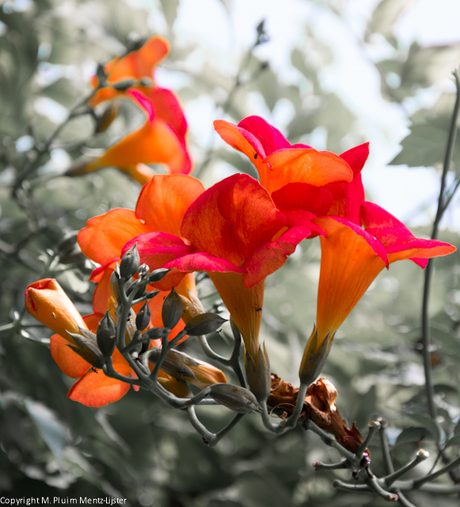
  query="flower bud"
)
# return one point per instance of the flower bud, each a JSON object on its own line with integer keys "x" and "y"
{"x": 158, "y": 274}
{"x": 314, "y": 358}
{"x": 204, "y": 324}
{"x": 172, "y": 309}
{"x": 106, "y": 117}
{"x": 192, "y": 307}
{"x": 106, "y": 335}
{"x": 49, "y": 304}
{"x": 143, "y": 317}
{"x": 258, "y": 375}
{"x": 87, "y": 349}
{"x": 123, "y": 85}
{"x": 182, "y": 366}
{"x": 114, "y": 285}
{"x": 130, "y": 262}
{"x": 235, "y": 398}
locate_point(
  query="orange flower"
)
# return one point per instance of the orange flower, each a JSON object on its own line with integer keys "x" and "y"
{"x": 48, "y": 303}
{"x": 161, "y": 140}
{"x": 161, "y": 207}
{"x": 136, "y": 65}
{"x": 351, "y": 258}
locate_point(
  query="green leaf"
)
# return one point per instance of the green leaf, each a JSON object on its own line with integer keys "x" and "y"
{"x": 170, "y": 11}
{"x": 385, "y": 16}
{"x": 426, "y": 144}
{"x": 453, "y": 441}
{"x": 412, "y": 434}
{"x": 49, "y": 427}
{"x": 428, "y": 424}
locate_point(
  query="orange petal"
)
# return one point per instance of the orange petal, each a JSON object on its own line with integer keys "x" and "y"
{"x": 49, "y": 304}
{"x": 304, "y": 166}
{"x": 245, "y": 306}
{"x": 69, "y": 362}
{"x": 349, "y": 264}
{"x": 104, "y": 236}
{"x": 164, "y": 200}
{"x": 154, "y": 143}
{"x": 94, "y": 389}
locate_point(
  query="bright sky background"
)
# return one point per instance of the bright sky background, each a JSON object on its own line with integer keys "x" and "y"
{"x": 401, "y": 190}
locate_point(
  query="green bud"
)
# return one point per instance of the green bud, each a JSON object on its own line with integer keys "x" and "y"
{"x": 130, "y": 262}
{"x": 155, "y": 333}
{"x": 258, "y": 375}
{"x": 100, "y": 73}
{"x": 204, "y": 324}
{"x": 235, "y": 398}
{"x": 146, "y": 81}
{"x": 157, "y": 275}
{"x": 123, "y": 85}
{"x": 87, "y": 349}
{"x": 114, "y": 285}
{"x": 172, "y": 309}
{"x": 314, "y": 358}
{"x": 106, "y": 335}
{"x": 177, "y": 364}
{"x": 143, "y": 317}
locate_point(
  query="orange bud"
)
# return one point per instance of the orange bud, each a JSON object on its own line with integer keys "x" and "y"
{"x": 49, "y": 304}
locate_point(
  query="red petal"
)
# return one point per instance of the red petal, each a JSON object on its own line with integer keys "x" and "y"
{"x": 94, "y": 389}
{"x": 232, "y": 218}
{"x": 270, "y": 137}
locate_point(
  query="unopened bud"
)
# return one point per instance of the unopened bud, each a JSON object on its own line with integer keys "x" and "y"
{"x": 87, "y": 349}
{"x": 123, "y": 85}
{"x": 114, "y": 285}
{"x": 192, "y": 306}
{"x": 314, "y": 358}
{"x": 100, "y": 73}
{"x": 107, "y": 116}
{"x": 146, "y": 81}
{"x": 106, "y": 335}
{"x": 204, "y": 324}
{"x": 172, "y": 309}
{"x": 155, "y": 333}
{"x": 258, "y": 375}
{"x": 130, "y": 262}
{"x": 157, "y": 275}
{"x": 143, "y": 317}
{"x": 235, "y": 398}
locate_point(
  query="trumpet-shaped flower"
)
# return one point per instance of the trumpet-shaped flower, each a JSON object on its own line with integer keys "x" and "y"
{"x": 49, "y": 304}
{"x": 161, "y": 207}
{"x": 235, "y": 233}
{"x": 160, "y": 140}
{"x": 351, "y": 258}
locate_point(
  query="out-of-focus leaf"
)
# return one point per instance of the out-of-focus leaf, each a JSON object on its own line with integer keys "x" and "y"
{"x": 457, "y": 429}
{"x": 413, "y": 434}
{"x": 452, "y": 441}
{"x": 428, "y": 424}
{"x": 385, "y": 16}
{"x": 170, "y": 11}
{"x": 426, "y": 144}
{"x": 51, "y": 430}
{"x": 427, "y": 65}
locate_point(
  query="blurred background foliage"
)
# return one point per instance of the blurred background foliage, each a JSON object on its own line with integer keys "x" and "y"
{"x": 139, "y": 448}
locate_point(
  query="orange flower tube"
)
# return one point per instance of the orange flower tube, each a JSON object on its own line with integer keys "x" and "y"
{"x": 49, "y": 304}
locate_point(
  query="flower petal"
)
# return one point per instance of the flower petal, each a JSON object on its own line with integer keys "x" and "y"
{"x": 95, "y": 389}
{"x": 104, "y": 236}
{"x": 350, "y": 261}
{"x": 348, "y": 197}
{"x": 304, "y": 166}
{"x": 271, "y": 256}
{"x": 270, "y": 137}
{"x": 232, "y": 218}
{"x": 164, "y": 200}
{"x": 397, "y": 239}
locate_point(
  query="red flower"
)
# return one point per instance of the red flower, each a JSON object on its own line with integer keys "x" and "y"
{"x": 235, "y": 233}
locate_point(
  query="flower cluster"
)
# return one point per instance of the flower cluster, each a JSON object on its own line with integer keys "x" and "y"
{"x": 238, "y": 231}
{"x": 162, "y": 139}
